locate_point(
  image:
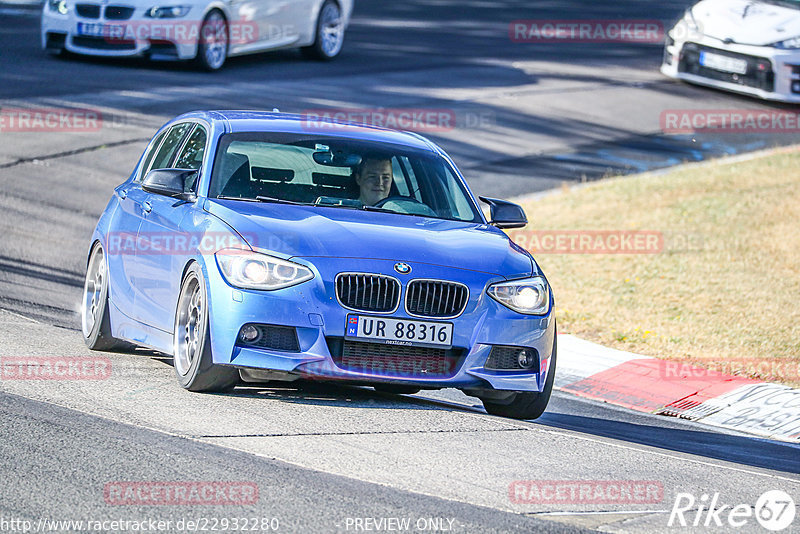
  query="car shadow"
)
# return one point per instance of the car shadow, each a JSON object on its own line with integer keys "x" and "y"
{"x": 332, "y": 394}
{"x": 742, "y": 450}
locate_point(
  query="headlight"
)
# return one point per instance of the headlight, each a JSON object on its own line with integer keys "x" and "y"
{"x": 170, "y": 12}
{"x": 251, "y": 270}
{"x": 688, "y": 17}
{"x": 59, "y": 6}
{"x": 530, "y": 296}
{"x": 687, "y": 28}
{"x": 788, "y": 43}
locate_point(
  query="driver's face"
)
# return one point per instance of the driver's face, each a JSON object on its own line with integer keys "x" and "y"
{"x": 375, "y": 180}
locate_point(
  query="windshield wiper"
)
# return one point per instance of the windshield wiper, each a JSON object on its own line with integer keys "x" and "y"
{"x": 265, "y": 199}
{"x": 384, "y": 210}
{"x": 221, "y": 197}
{"x": 281, "y": 201}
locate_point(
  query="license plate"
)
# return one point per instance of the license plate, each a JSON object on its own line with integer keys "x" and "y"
{"x": 723, "y": 63}
{"x": 399, "y": 331}
{"x": 94, "y": 29}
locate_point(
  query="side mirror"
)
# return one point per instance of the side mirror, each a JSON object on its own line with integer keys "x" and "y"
{"x": 170, "y": 183}
{"x": 505, "y": 214}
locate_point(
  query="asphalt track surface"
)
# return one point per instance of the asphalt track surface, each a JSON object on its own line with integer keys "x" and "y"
{"x": 529, "y": 118}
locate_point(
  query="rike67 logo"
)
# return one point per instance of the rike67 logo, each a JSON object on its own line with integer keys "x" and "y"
{"x": 774, "y": 511}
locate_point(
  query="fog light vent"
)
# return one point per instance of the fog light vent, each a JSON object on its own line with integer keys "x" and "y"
{"x": 504, "y": 358}
{"x": 266, "y": 336}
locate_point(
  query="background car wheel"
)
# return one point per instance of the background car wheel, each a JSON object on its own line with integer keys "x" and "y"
{"x": 329, "y": 33}
{"x": 95, "y": 321}
{"x": 192, "y": 345}
{"x": 212, "y": 46}
{"x": 525, "y": 404}
{"x": 396, "y": 389}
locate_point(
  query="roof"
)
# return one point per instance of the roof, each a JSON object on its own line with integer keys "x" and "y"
{"x": 266, "y": 121}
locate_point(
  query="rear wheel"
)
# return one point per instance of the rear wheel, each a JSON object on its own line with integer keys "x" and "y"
{"x": 212, "y": 45}
{"x": 95, "y": 321}
{"x": 329, "y": 36}
{"x": 525, "y": 404}
{"x": 194, "y": 366}
{"x": 396, "y": 389}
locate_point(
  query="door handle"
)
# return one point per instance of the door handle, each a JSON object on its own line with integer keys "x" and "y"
{"x": 147, "y": 207}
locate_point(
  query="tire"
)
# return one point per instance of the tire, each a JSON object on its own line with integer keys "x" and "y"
{"x": 193, "y": 364}
{"x": 95, "y": 321}
{"x": 328, "y": 33}
{"x": 396, "y": 389}
{"x": 213, "y": 42}
{"x": 526, "y": 404}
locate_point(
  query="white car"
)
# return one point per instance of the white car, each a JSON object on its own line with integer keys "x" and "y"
{"x": 746, "y": 46}
{"x": 207, "y": 31}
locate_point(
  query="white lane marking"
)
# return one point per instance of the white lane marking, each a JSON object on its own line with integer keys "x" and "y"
{"x": 15, "y": 314}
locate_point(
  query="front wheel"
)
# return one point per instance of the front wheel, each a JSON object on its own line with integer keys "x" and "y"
{"x": 95, "y": 320}
{"x": 526, "y": 404}
{"x": 194, "y": 366}
{"x": 329, "y": 33}
{"x": 212, "y": 45}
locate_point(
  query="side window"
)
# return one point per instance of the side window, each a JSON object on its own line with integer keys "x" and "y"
{"x": 169, "y": 146}
{"x": 192, "y": 155}
{"x": 411, "y": 185}
{"x": 457, "y": 198}
{"x": 400, "y": 178}
{"x": 149, "y": 157}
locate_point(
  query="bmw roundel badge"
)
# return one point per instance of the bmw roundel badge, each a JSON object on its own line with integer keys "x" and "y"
{"x": 402, "y": 268}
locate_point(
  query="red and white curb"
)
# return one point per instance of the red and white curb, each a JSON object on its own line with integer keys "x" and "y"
{"x": 666, "y": 387}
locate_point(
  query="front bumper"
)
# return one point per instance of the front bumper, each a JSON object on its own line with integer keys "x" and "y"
{"x": 168, "y": 39}
{"x": 773, "y": 74}
{"x": 313, "y": 311}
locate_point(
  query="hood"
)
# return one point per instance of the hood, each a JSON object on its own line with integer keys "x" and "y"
{"x": 752, "y": 22}
{"x": 314, "y": 231}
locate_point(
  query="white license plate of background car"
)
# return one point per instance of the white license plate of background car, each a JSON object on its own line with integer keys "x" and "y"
{"x": 399, "y": 331}
{"x": 94, "y": 29}
{"x": 723, "y": 63}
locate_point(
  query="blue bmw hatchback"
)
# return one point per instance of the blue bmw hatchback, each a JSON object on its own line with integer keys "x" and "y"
{"x": 258, "y": 247}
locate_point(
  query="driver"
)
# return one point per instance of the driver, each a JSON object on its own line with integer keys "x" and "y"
{"x": 374, "y": 177}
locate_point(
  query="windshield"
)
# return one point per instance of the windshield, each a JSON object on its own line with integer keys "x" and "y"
{"x": 341, "y": 173}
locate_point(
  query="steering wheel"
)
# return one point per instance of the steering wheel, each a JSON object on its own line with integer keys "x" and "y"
{"x": 409, "y": 205}
{"x": 398, "y": 198}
